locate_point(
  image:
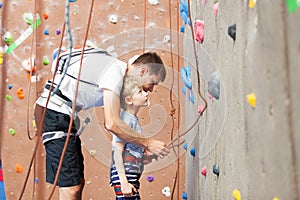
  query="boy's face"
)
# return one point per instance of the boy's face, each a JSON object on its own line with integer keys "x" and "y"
{"x": 139, "y": 97}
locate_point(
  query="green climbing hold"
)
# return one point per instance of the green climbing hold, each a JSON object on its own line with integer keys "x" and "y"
{"x": 12, "y": 131}
{"x": 46, "y": 61}
{"x": 8, "y": 97}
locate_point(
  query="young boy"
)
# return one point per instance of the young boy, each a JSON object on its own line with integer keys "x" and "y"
{"x": 127, "y": 158}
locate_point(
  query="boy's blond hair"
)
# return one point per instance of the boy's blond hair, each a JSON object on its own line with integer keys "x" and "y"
{"x": 130, "y": 84}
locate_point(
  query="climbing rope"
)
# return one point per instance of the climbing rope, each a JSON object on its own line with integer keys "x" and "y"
{"x": 171, "y": 144}
{"x": 75, "y": 96}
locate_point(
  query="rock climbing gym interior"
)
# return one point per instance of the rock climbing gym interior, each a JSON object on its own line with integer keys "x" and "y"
{"x": 227, "y": 113}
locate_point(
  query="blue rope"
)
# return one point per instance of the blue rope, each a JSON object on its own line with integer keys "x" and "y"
{"x": 67, "y": 9}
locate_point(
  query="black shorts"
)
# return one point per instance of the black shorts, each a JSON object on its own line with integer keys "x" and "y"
{"x": 72, "y": 168}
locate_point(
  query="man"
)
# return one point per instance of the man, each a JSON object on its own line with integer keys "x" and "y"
{"x": 100, "y": 83}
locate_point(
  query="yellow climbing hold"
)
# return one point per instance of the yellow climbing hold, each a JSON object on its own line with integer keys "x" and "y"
{"x": 236, "y": 194}
{"x": 252, "y": 3}
{"x": 276, "y": 198}
{"x": 252, "y": 99}
{"x": 1, "y": 58}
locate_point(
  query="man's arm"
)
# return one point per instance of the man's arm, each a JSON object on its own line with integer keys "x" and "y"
{"x": 115, "y": 124}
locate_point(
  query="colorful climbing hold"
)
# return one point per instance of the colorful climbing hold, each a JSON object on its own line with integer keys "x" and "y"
{"x": 216, "y": 8}
{"x": 113, "y": 19}
{"x": 46, "y": 60}
{"x": 236, "y": 194}
{"x": 7, "y": 38}
{"x": 72, "y": 1}
{"x": 58, "y": 32}
{"x": 251, "y": 99}
{"x": 45, "y": 15}
{"x": 252, "y": 3}
{"x": 192, "y": 97}
{"x": 199, "y": 30}
{"x": 216, "y": 169}
{"x": 203, "y": 2}
{"x": 1, "y": 57}
{"x": 193, "y": 152}
{"x": 276, "y": 198}
{"x": 232, "y": 31}
{"x": 150, "y": 178}
{"x": 184, "y": 195}
{"x": 20, "y": 93}
{"x": 46, "y": 32}
{"x": 36, "y": 180}
{"x": 203, "y": 171}
{"x": 292, "y": 5}
{"x": 8, "y": 97}
{"x": 166, "y": 191}
{"x": 29, "y": 65}
{"x": 12, "y": 131}
{"x": 9, "y": 86}
{"x": 185, "y": 73}
{"x": 214, "y": 85}
{"x": 18, "y": 168}
{"x": 185, "y": 146}
{"x": 93, "y": 152}
{"x": 182, "y": 29}
{"x": 183, "y": 89}
{"x": 28, "y": 18}
{"x": 200, "y": 108}
{"x": 1, "y": 4}
{"x": 153, "y": 2}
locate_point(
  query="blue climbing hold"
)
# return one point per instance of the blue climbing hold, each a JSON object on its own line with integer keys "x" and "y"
{"x": 193, "y": 152}
{"x": 72, "y": 1}
{"x": 183, "y": 90}
{"x": 46, "y": 32}
{"x": 185, "y": 74}
{"x": 182, "y": 29}
{"x": 184, "y": 195}
{"x": 185, "y": 146}
{"x": 9, "y": 86}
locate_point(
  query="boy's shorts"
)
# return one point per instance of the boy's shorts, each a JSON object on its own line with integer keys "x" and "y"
{"x": 72, "y": 168}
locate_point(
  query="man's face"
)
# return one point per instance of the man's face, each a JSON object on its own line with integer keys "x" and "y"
{"x": 150, "y": 81}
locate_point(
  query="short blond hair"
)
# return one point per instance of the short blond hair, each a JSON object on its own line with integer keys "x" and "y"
{"x": 130, "y": 83}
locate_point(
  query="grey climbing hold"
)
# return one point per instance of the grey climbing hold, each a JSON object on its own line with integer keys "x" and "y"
{"x": 214, "y": 85}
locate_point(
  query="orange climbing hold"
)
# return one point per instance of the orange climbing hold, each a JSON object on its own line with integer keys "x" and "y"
{"x": 20, "y": 93}
{"x": 19, "y": 168}
{"x": 45, "y": 15}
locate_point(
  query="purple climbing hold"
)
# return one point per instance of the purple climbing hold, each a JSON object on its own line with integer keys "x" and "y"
{"x": 150, "y": 178}
{"x": 58, "y": 32}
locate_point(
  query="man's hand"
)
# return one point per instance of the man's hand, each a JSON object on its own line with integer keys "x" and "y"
{"x": 158, "y": 148}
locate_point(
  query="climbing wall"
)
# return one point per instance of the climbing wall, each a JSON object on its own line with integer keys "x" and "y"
{"x": 246, "y": 143}
{"x": 31, "y": 32}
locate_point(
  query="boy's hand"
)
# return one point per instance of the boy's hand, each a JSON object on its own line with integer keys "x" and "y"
{"x": 128, "y": 189}
{"x": 148, "y": 157}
